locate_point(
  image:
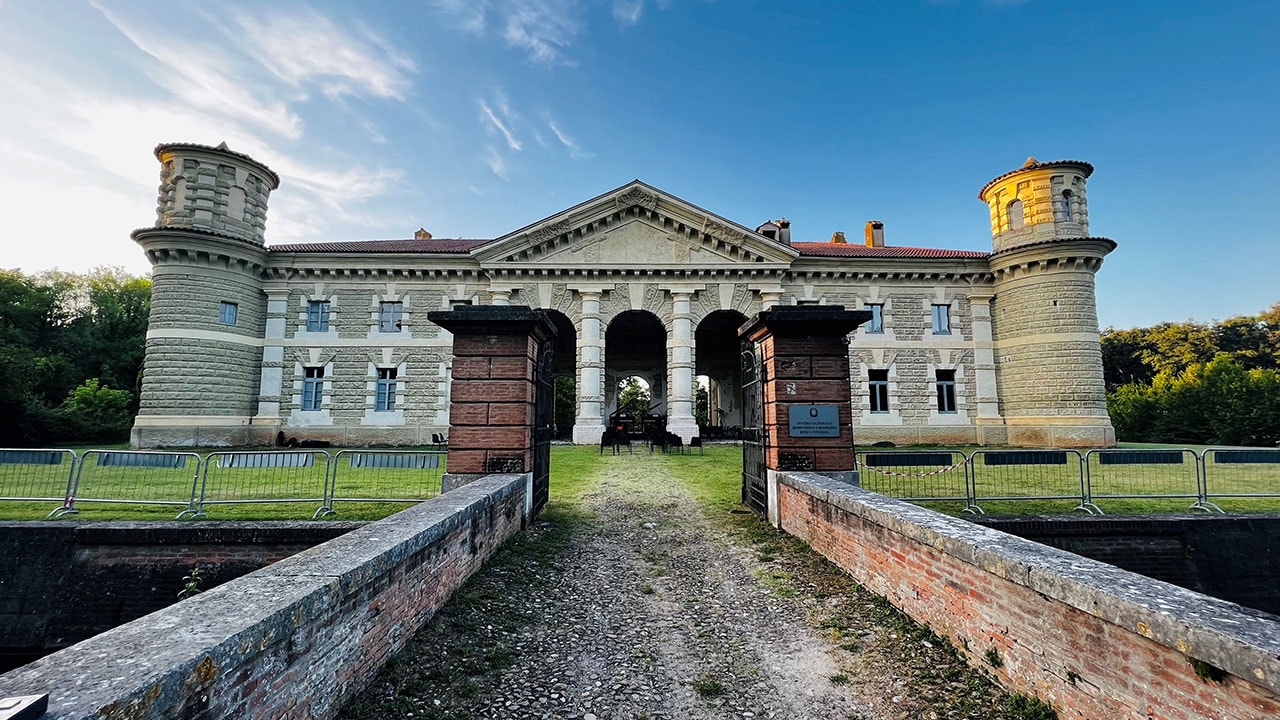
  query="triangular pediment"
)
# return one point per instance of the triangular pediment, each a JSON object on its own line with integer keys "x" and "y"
{"x": 636, "y": 225}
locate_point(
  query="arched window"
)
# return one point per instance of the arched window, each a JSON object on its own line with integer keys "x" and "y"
{"x": 1062, "y": 207}
{"x": 235, "y": 203}
{"x": 1016, "y": 220}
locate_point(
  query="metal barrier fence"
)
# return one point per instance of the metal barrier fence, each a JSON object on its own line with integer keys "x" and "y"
{"x": 917, "y": 476}
{"x": 1239, "y": 473}
{"x": 1022, "y": 475}
{"x": 37, "y": 475}
{"x": 1114, "y": 474}
{"x": 239, "y": 478}
{"x": 390, "y": 476}
{"x": 135, "y": 477}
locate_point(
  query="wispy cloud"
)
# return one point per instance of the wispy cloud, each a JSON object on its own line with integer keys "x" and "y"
{"x": 542, "y": 29}
{"x": 628, "y": 12}
{"x": 575, "y": 151}
{"x": 341, "y": 61}
{"x": 496, "y": 163}
{"x": 502, "y": 124}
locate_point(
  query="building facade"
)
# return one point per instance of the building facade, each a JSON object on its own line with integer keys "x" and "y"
{"x": 330, "y": 341}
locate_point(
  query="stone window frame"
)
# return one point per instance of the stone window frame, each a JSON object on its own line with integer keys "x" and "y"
{"x": 949, "y": 330}
{"x": 875, "y": 296}
{"x": 313, "y": 381}
{"x": 395, "y": 415}
{"x": 402, "y": 328}
{"x": 875, "y": 326}
{"x": 320, "y": 416}
{"x": 961, "y": 379}
{"x": 945, "y": 390}
{"x": 228, "y": 312}
{"x": 384, "y": 392}
{"x": 1017, "y": 205}
{"x": 894, "y": 415}
{"x": 878, "y": 392}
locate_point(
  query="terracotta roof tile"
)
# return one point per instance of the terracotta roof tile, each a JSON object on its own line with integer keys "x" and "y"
{"x": 432, "y": 246}
{"x": 826, "y": 249}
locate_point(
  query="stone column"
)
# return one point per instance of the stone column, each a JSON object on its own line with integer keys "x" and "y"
{"x": 588, "y": 426}
{"x": 491, "y": 409}
{"x": 271, "y": 394}
{"x": 500, "y": 296}
{"x": 985, "y": 391}
{"x": 680, "y": 419}
{"x": 806, "y": 369}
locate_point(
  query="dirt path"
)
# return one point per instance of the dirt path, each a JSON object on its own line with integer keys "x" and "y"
{"x": 643, "y": 608}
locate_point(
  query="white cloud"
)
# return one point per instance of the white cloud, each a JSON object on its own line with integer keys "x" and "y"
{"x": 501, "y": 124}
{"x": 542, "y": 29}
{"x": 575, "y": 152}
{"x": 628, "y": 12}
{"x": 496, "y": 163}
{"x": 320, "y": 51}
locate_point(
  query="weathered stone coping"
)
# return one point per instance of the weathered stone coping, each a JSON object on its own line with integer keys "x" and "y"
{"x": 1242, "y": 641}
{"x": 213, "y": 650}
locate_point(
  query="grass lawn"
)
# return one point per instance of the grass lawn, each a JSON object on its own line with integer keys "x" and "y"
{"x": 293, "y": 490}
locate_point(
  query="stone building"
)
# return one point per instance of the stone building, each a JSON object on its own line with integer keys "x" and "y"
{"x": 331, "y": 340}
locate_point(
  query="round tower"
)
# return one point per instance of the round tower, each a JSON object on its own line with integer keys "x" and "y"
{"x": 201, "y": 375}
{"x": 1044, "y": 319}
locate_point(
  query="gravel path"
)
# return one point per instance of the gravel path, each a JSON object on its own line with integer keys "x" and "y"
{"x": 641, "y": 607}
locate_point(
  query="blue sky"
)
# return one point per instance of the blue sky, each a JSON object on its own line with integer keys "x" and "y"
{"x": 475, "y": 117}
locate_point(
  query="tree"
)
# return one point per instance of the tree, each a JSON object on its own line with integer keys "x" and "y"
{"x": 633, "y": 397}
{"x": 566, "y": 405}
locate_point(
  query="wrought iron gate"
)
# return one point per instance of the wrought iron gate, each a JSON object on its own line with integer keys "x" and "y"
{"x": 544, "y": 414}
{"x": 755, "y": 439}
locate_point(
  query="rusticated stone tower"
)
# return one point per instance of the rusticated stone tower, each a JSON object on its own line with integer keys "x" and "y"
{"x": 203, "y": 358}
{"x": 1043, "y": 317}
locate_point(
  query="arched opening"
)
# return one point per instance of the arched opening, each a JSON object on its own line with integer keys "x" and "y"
{"x": 1062, "y": 207}
{"x": 719, "y": 372}
{"x": 635, "y": 346}
{"x": 564, "y": 367}
{"x": 1016, "y": 219}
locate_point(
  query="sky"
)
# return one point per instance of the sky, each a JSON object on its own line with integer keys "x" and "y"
{"x": 472, "y": 118}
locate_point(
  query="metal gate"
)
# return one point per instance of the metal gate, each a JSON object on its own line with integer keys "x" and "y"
{"x": 544, "y": 414}
{"x": 755, "y": 435}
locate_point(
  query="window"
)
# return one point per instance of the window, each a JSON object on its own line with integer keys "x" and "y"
{"x": 876, "y": 323}
{"x": 312, "y": 388}
{"x": 318, "y": 316}
{"x": 878, "y": 383}
{"x": 385, "y": 399}
{"x": 1016, "y": 220}
{"x": 941, "y": 319}
{"x": 227, "y": 313}
{"x": 946, "y": 391}
{"x": 389, "y": 316}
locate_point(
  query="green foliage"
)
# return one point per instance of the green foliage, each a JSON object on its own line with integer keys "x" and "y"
{"x": 1196, "y": 383}
{"x": 1208, "y": 672}
{"x": 58, "y": 330}
{"x": 566, "y": 405}
{"x": 633, "y": 397}
{"x": 1030, "y": 708}
{"x": 191, "y": 584}
{"x": 992, "y": 656}
{"x": 701, "y": 405}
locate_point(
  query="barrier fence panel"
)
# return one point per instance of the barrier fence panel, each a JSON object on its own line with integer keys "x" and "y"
{"x": 277, "y": 477}
{"x": 1114, "y": 474}
{"x": 941, "y": 475}
{"x": 1028, "y": 475}
{"x": 1237, "y": 474}
{"x": 390, "y": 476}
{"x": 136, "y": 477}
{"x": 37, "y": 476}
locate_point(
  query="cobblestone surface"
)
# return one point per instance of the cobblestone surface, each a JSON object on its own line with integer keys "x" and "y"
{"x": 640, "y": 606}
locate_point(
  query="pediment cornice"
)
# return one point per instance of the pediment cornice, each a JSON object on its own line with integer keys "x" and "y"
{"x": 682, "y": 222}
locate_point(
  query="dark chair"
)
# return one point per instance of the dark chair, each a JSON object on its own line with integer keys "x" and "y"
{"x": 696, "y": 442}
{"x": 674, "y": 443}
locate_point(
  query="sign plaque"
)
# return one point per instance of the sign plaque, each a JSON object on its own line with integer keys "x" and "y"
{"x": 814, "y": 420}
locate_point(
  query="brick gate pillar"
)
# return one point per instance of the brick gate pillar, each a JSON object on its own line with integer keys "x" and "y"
{"x": 491, "y": 410}
{"x": 808, "y": 412}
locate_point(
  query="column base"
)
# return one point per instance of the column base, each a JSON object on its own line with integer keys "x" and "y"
{"x": 686, "y": 428}
{"x": 587, "y": 433}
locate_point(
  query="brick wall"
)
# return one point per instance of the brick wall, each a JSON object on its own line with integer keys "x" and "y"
{"x": 293, "y": 640}
{"x": 1093, "y": 640}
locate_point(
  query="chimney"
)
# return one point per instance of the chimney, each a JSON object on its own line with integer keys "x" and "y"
{"x": 422, "y": 234}
{"x": 837, "y": 238}
{"x": 875, "y": 233}
{"x": 784, "y": 231}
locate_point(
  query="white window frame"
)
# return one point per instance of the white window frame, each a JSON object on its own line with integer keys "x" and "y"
{"x": 878, "y": 392}
{"x": 875, "y": 326}
{"x": 941, "y": 319}
{"x": 946, "y": 391}
{"x": 390, "y": 316}
{"x": 384, "y": 398}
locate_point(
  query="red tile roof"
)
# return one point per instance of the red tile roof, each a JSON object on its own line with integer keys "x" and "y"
{"x": 434, "y": 245}
{"x": 828, "y": 249}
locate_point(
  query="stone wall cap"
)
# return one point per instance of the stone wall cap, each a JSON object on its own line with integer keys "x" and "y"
{"x": 220, "y": 149}
{"x": 1033, "y": 164}
{"x": 1112, "y": 244}
{"x": 805, "y": 321}
{"x": 495, "y": 320}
